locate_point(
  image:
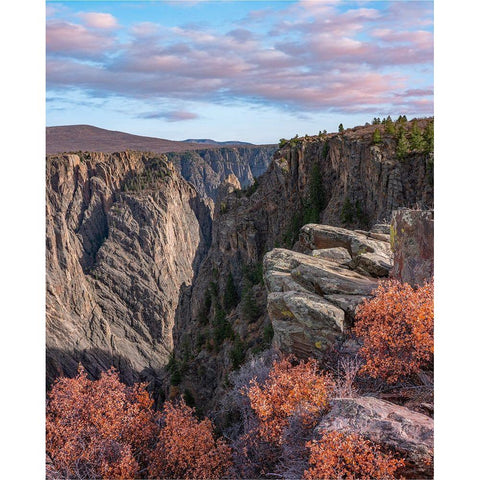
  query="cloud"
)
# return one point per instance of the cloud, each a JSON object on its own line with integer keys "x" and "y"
{"x": 99, "y": 20}
{"x": 309, "y": 56}
{"x": 173, "y": 116}
{"x": 75, "y": 39}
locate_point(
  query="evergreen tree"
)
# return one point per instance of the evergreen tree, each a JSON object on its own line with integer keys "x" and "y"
{"x": 377, "y": 138}
{"x": 340, "y": 128}
{"x": 250, "y": 308}
{"x": 230, "y": 298}
{"x": 416, "y": 137}
{"x": 428, "y": 137}
{"x": 389, "y": 126}
{"x": 348, "y": 211}
{"x": 403, "y": 145}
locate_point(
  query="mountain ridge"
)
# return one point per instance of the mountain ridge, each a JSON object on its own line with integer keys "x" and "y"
{"x": 88, "y": 138}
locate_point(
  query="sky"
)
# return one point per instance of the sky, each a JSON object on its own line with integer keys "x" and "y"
{"x": 237, "y": 70}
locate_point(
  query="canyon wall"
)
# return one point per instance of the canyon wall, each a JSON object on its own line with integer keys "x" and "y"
{"x": 125, "y": 235}
{"x": 336, "y": 179}
{"x": 207, "y": 169}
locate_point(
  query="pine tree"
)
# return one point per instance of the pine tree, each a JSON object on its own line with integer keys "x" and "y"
{"x": 340, "y": 128}
{"x": 403, "y": 145}
{"x": 230, "y": 298}
{"x": 377, "y": 138}
{"x": 428, "y": 137}
{"x": 389, "y": 126}
{"x": 416, "y": 137}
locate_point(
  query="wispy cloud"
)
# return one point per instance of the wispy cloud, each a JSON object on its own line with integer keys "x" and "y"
{"x": 174, "y": 116}
{"x": 307, "y": 56}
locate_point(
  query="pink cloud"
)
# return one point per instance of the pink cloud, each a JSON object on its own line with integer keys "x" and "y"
{"x": 99, "y": 20}
{"x": 321, "y": 58}
{"x": 71, "y": 38}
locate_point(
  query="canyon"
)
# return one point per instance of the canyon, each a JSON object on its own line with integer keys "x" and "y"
{"x": 142, "y": 248}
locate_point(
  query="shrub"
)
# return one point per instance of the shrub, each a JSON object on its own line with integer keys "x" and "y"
{"x": 187, "y": 448}
{"x": 349, "y": 456}
{"x": 396, "y": 327}
{"x": 289, "y": 389}
{"x": 99, "y": 429}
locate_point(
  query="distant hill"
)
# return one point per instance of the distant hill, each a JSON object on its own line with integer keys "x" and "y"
{"x": 208, "y": 141}
{"x": 73, "y": 138}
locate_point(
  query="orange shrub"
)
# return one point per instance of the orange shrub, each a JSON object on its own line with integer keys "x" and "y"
{"x": 348, "y": 456}
{"x": 396, "y": 327}
{"x": 289, "y": 389}
{"x": 187, "y": 448}
{"x": 99, "y": 429}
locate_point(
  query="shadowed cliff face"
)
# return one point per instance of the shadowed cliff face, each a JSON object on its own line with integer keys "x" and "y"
{"x": 125, "y": 234}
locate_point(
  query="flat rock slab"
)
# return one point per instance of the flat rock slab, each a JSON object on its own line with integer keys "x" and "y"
{"x": 370, "y": 252}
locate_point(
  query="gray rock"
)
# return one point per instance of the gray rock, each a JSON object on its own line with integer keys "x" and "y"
{"x": 338, "y": 255}
{"x": 393, "y": 426}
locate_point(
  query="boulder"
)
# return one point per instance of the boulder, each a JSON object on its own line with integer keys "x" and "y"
{"x": 338, "y": 255}
{"x": 370, "y": 252}
{"x": 310, "y": 300}
{"x": 395, "y": 427}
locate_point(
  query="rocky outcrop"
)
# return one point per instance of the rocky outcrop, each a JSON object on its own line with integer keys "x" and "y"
{"x": 207, "y": 169}
{"x": 310, "y": 181}
{"x": 125, "y": 235}
{"x": 412, "y": 245}
{"x": 370, "y": 252}
{"x": 397, "y": 428}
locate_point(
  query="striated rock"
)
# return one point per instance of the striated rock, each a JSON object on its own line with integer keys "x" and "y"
{"x": 309, "y": 300}
{"x": 338, "y": 255}
{"x": 304, "y": 323}
{"x": 208, "y": 168}
{"x": 392, "y": 426}
{"x": 125, "y": 235}
{"x": 412, "y": 245}
{"x": 369, "y": 255}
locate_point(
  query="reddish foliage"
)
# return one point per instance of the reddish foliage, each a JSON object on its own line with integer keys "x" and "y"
{"x": 99, "y": 429}
{"x": 289, "y": 389}
{"x": 349, "y": 456}
{"x": 397, "y": 330}
{"x": 187, "y": 447}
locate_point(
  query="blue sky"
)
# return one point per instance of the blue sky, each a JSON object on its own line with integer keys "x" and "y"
{"x": 242, "y": 70}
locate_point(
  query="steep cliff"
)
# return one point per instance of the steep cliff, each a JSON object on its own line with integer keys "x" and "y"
{"x": 208, "y": 168}
{"x": 125, "y": 236}
{"x": 336, "y": 179}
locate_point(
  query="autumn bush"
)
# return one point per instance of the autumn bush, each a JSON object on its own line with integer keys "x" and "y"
{"x": 105, "y": 429}
{"x": 289, "y": 389}
{"x": 187, "y": 447}
{"x": 349, "y": 456}
{"x": 99, "y": 429}
{"x": 396, "y": 327}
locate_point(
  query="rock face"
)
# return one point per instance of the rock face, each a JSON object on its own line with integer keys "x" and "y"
{"x": 395, "y": 427}
{"x": 312, "y": 298}
{"x": 207, "y": 169}
{"x": 125, "y": 235}
{"x": 412, "y": 245}
{"x": 309, "y": 181}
